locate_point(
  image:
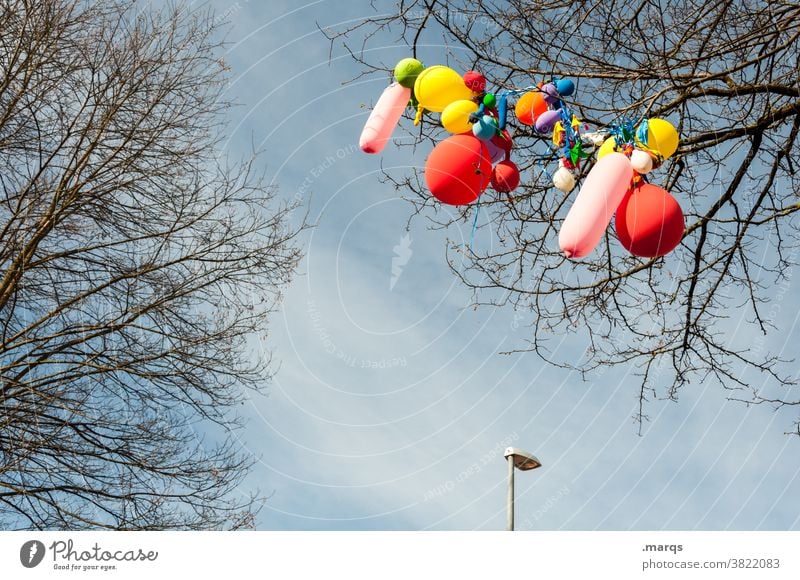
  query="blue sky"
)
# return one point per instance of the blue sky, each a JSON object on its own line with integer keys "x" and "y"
{"x": 391, "y": 406}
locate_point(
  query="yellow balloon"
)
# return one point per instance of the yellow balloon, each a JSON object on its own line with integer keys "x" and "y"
{"x": 438, "y": 86}
{"x": 558, "y": 132}
{"x": 661, "y": 137}
{"x": 608, "y": 146}
{"x": 455, "y": 117}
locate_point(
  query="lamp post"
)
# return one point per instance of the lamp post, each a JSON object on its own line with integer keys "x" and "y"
{"x": 524, "y": 461}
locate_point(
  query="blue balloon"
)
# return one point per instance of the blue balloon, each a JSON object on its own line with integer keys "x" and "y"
{"x": 565, "y": 87}
{"x": 485, "y": 129}
{"x": 502, "y": 107}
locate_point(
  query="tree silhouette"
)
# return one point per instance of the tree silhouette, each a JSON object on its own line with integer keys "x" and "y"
{"x": 137, "y": 266}
{"x": 726, "y": 75}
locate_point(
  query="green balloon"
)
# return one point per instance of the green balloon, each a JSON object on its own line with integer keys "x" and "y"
{"x": 489, "y": 100}
{"x": 406, "y": 71}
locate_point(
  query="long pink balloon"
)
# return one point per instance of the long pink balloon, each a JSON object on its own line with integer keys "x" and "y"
{"x": 384, "y": 118}
{"x": 598, "y": 199}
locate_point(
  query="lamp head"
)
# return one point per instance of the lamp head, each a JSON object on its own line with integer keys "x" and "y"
{"x": 522, "y": 459}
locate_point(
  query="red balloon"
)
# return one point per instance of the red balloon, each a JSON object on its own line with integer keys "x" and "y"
{"x": 458, "y": 169}
{"x": 475, "y": 81}
{"x": 649, "y": 222}
{"x": 503, "y": 141}
{"x": 505, "y": 176}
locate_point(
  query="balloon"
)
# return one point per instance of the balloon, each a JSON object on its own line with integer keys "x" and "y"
{"x": 500, "y": 146}
{"x": 485, "y": 128}
{"x": 595, "y": 138}
{"x": 496, "y": 153}
{"x": 438, "y": 86}
{"x": 547, "y": 120}
{"x": 558, "y": 134}
{"x": 649, "y": 222}
{"x": 529, "y": 106}
{"x": 607, "y": 147}
{"x": 383, "y": 118}
{"x": 407, "y": 70}
{"x": 661, "y": 137}
{"x": 550, "y": 93}
{"x": 502, "y": 111}
{"x": 458, "y": 169}
{"x": 503, "y": 140}
{"x": 565, "y": 87}
{"x": 598, "y": 198}
{"x": 564, "y": 180}
{"x": 475, "y": 81}
{"x": 505, "y": 176}
{"x": 455, "y": 117}
{"x": 641, "y": 161}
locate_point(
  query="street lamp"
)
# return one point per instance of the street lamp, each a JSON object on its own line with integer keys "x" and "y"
{"x": 523, "y": 461}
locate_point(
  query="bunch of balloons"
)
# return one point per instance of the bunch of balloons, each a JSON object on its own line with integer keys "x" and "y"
{"x": 477, "y": 154}
{"x": 649, "y": 222}
{"x": 544, "y": 109}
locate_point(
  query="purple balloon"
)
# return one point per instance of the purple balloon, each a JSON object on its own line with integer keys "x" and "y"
{"x": 547, "y": 120}
{"x": 550, "y": 93}
{"x": 496, "y": 153}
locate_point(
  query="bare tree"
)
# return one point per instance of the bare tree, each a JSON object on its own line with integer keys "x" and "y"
{"x": 726, "y": 74}
{"x": 138, "y": 266}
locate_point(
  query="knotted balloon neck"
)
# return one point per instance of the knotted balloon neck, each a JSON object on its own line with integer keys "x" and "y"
{"x": 418, "y": 116}
{"x": 636, "y": 182}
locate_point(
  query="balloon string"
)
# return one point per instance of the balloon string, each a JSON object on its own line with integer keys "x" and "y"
{"x": 475, "y": 223}
{"x": 542, "y": 165}
{"x": 477, "y": 210}
{"x": 641, "y": 133}
{"x": 566, "y": 123}
{"x": 517, "y": 92}
{"x": 623, "y": 132}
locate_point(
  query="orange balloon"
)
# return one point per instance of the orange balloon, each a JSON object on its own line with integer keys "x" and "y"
{"x": 529, "y": 106}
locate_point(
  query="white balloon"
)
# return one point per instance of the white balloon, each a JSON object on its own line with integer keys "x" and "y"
{"x": 641, "y": 161}
{"x": 595, "y": 138}
{"x": 564, "y": 180}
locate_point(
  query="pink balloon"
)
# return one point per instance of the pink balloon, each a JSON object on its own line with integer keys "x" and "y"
{"x": 384, "y": 118}
{"x": 598, "y": 199}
